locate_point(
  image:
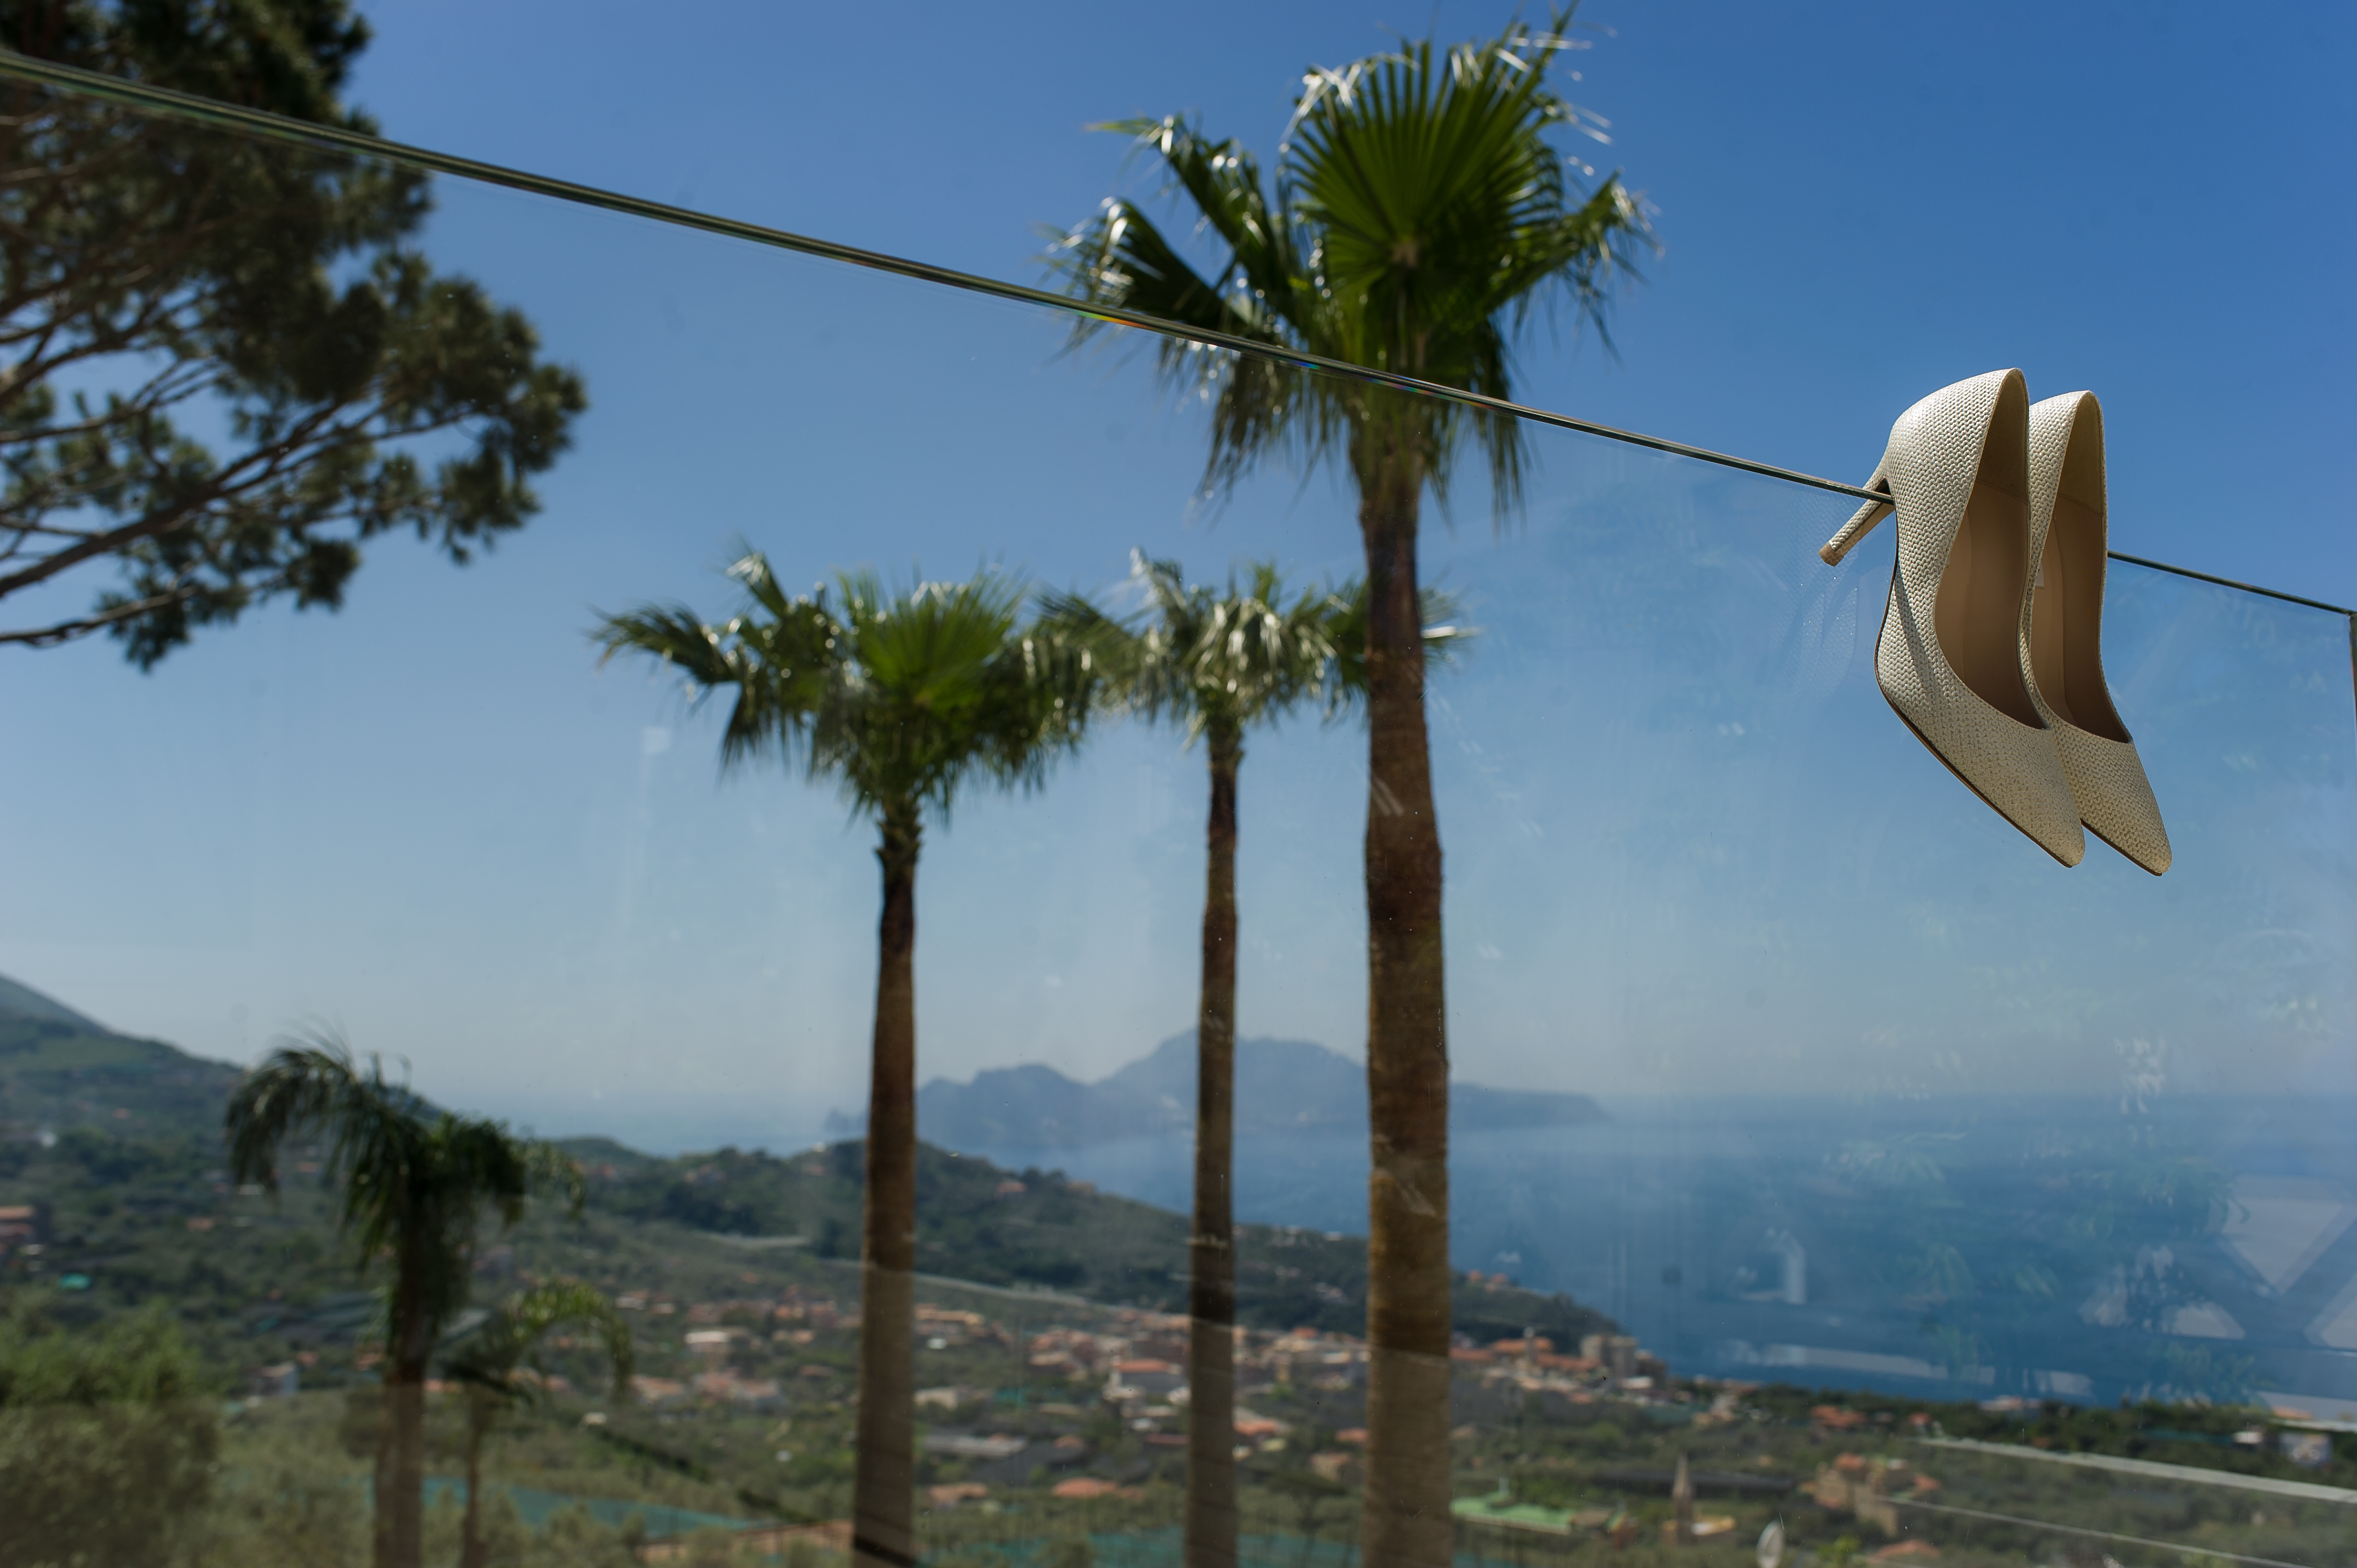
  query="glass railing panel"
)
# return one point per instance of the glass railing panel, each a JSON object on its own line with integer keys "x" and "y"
{"x": 1812, "y": 1130}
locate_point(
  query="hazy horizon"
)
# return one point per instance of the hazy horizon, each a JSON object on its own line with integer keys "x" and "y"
{"x": 672, "y": 1131}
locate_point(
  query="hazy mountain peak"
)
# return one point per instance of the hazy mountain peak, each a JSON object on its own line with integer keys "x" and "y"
{"x": 58, "y": 1069}
{"x": 23, "y": 1002}
{"x": 1282, "y": 1086}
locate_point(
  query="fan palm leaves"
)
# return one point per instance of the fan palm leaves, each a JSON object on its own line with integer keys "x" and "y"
{"x": 415, "y": 1187}
{"x": 1422, "y": 215}
{"x": 498, "y": 1367}
{"x": 1213, "y": 662}
{"x": 1216, "y": 663}
{"x": 900, "y": 699}
{"x": 1419, "y": 218}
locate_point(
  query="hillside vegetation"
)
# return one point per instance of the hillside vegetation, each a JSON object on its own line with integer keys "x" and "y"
{"x": 63, "y": 1070}
{"x": 118, "y": 1140}
{"x": 1032, "y": 1228}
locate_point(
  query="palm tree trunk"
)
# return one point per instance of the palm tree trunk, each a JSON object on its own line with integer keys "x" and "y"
{"x": 1407, "y": 1522}
{"x": 401, "y": 1469}
{"x": 883, "y": 1534}
{"x": 1212, "y": 1306}
{"x": 471, "y": 1553}
{"x": 399, "y": 1536}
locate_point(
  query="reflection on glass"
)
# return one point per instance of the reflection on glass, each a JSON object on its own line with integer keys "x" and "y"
{"x": 1833, "y": 1176}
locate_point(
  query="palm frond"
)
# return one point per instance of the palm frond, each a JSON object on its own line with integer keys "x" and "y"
{"x": 1422, "y": 212}
{"x": 508, "y": 1341}
{"x": 672, "y": 633}
{"x": 1206, "y": 659}
{"x": 377, "y": 1139}
{"x": 412, "y": 1188}
{"x": 1261, "y": 286}
{"x": 1122, "y": 260}
{"x": 1444, "y": 640}
{"x": 899, "y": 695}
{"x": 777, "y": 657}
{"x": 1081, "y": 619}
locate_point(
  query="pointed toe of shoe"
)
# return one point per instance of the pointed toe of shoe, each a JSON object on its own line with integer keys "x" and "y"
{"x": 2114, "y": 797}
{"x": 2030, "y": 790}
{"x": 2066, "y": 846}
{"x": 2012, "y": 766}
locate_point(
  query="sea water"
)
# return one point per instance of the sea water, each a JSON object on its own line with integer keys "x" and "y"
{"x": 1957, "y": 1247}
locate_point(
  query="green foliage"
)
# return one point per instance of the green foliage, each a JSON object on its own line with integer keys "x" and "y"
{"x": 364, "y": 1414}
{"x": 60, "y": 1075}
{"x": 2183, "y": 1371}
{"x": 499, "y": 1366}
{"x": 650, "y": 1222}
{"x": 107, "y": 1442}
{"x": 1052, "y": 1233}
{"x": 494, "y": 1356}
{"x": 163, "y": 278}
{"x": 412, "y": 1188}
{"x": 285, "y": 1497}
{"x": 573, "y": 1537}
{"x": 1420, "y": 213}
{"x": 710, "y": 1548}
{"x": 1443, "y": 639}
{"x": 899, "y": 697}
{"x": 1214, "y": 662}
{"x": 142, "y": 1360}
{"x": 287, "y": 1504}
{"x": 1219, "y": 662}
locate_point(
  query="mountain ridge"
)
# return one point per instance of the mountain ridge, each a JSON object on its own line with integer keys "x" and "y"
{"x": 120, "y": 1137}
{"x": 21, "y": 1001}
{"x": 60, "y": 1068}
{"x": 1282, "y": 1086}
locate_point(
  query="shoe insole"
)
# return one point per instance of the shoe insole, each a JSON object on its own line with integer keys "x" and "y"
{"x": 1978, "y": 613}
{"x": 2066, "y": 618}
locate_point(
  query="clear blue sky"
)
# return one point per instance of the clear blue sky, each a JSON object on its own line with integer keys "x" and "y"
{"x": 2150, "y": 199}
{"x": 1689, "y": 847}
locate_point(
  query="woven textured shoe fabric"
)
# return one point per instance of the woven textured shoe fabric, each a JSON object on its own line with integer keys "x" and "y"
{"x": 2061, "y": 630}
{"x": 1958, "y": 472}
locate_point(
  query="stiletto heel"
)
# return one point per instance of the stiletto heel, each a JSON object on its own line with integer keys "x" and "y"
{"x": 1862, "y": 520}
{"x": 1949, "y": 658}
{"x": 2061, "y": 632}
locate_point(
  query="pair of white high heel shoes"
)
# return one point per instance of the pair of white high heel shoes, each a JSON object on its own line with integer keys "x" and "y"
{"x": 1991, "y": 645}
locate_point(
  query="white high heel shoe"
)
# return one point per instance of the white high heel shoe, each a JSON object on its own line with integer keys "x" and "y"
{"x": 2061, "y": 627}
{"x": 1948, "y": 657}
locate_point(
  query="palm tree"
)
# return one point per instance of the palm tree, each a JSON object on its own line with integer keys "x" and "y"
{"x": 498, "y": 1366}
{"x": 417, "y": 1188}
{"x": 902, "y": 700}
{"x": 1218, "y": 664}
{"x": 1420, "y": 213}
